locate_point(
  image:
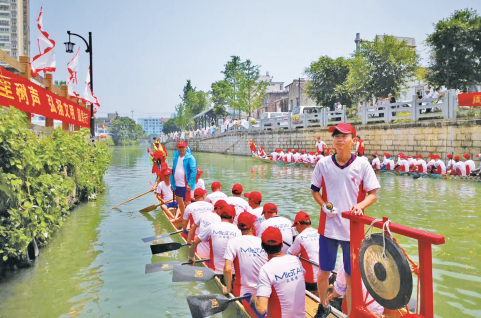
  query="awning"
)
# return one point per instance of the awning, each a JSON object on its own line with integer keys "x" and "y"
{"x": 203, "y": 113}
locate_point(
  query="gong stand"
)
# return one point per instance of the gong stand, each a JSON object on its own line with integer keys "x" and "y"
{"x": 425, "y": 242}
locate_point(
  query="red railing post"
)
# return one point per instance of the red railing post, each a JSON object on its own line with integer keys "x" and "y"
{"x": 357, "y": 236}
{"x": 426, "y": 279}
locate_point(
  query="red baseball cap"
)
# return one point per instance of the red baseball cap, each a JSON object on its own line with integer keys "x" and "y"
{"x": 418, "y": 156}
{"x": 301, "y": 216}
{"x": 449, "y": 156}
{"x": 431, "y": 156}
{"x": 228, "y": 210}
{"x": 269, "y": 207}
{"x": 296, "y": 151}
{"x": 215, "y": 185}
{"x": 467, "y": 156}
{"x": 272, "y": 236}
{"x": 456, "y": 158}
{"x": 303, "y": 151}
{"x": 478, "y": 154}
{"x": 181, "y": 144}
{"x": 318, "y": 138}
{"x": 375, "y": 154}
{"x": 237, "y": 188}
{"x": 387, "y": 155}
{"x": 245, "y": 220}
{"x": 400, "y": 154}
{"x": 344, "y": 128}
{"x": 199, "y": 172}
{"x": 437, "y": 157}
{"x": 410, "y": 156}
{"x": 199, "y": 192}
{"x": 255, "y": 196}
{"x": 220, "y": 204}
{"x": 167, "y": 172}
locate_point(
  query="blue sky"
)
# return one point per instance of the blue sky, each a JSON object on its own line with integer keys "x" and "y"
{"x": 144, "y": 51}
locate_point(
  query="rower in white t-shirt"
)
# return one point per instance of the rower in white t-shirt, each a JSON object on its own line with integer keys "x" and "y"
{"x": 310, "y": 158}
{"x": 281, "y": 154}
{"x": 388, "y": 162}
{"x": 217, "y": 235}
{"x": 402, "y": 163}
{"x": 450, "y": 162}
{"x": 470, "y": 165}
{"x": 280, "y": 287}
{"x": 430, "y": 163}
{"x": 164, "y": 194}
{"x": 240, "y": 204}
{"x": 254, "y": 199}
{"x": 274, "y": 155}
{"x": 199, "y": 183}
{"x": 288, "y": 156}
{"x": 246, "y": 255}
{"x": 320, "y": 146}
{"x": 439, "y": 164}
{"x": 203, "y": 223}
{"x": 306, "y": 245}
{"x": 421, "y": 164}
{"x": 459, "y": 167}
{"x": 216, "y": 193}
{"x": 303, "y": 158}
{"x": 296, "y": 156}
{"x": 270, "y": 212}
{"x": 376, "y": 162}
{"x": 319, "y": 156}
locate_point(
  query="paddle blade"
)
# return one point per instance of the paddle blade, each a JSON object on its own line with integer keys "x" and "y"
{"x": 192, "y": 274}
{"x": 149, "y": 208}
{"x": 161, "y": 267}
{"x": 157, "y": 237}
{"x": 166, "y": 247}
{"x": 207, "y": 305}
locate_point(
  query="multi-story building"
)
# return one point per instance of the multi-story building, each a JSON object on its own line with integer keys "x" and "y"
{"x": 105, "y": 121}
{"x": 14, "y": 28}
{"x": 152, "y": 126}
{"x": 297, "y": 95}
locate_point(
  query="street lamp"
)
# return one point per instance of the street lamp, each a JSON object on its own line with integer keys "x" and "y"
{"x": 69, "y": 49}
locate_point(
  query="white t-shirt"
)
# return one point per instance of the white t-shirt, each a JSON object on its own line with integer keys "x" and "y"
{"x": 240, "y": 205}
{"x": 320, "y": 146}
{"x": 389, "y": 162}
{"x": 206, "y": 219}
{"x": 403, "y": 165}
{"x": 257, "y": 211}
{"x": 282, "y": 280}
{"x": 283, "y": 224}
{"x": 430, "y": 163}
{"x": 307, "y": 244}
{"x": 450, "y": 163}
{"x": 460, "y": 168}
{"x": 343, "y": 188}
{"x": 376, "y": 163}
{"x": 215, "y": 196}
{"x": 179, "y": 176}
{"x": 258, "y": 222}
{"x": 311, "y": 159}
{"x": 319, "y": 157}
{"x": 217, "y": 235}
{"x": 303, "y": 158}
{"x": 194, "y": 211}
{"x": 274, "y": 156}
{"x": 296, "y": 156}
{"x": 470, "y": 163}
{"x": 248, "y": 257}
{"x": 288, "y": 157}
{"x": 200, "y": 184}
{"x": 422, "y": 166}
{"x": 440, "y": 163}
{"x": 164, "y": 191}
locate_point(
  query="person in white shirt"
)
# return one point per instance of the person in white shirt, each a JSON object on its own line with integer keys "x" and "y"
{"x": 428, "y": 94}
{"x": 274, "y": 155}
{"x": 439, "y": 164}
{"x": 192, "y": 215}
{"x": 199, "y": 183}
{"x": 450, "y": 162}
{"x": 388, "y": 162}
{"x": 411, "y": 162}
{"x": 470, "y": 165}
{"x": 288, "y": 156}
{"x": 281, "y": 154}
{"x": 359, "y": 184}
{"x": 303, "y": 158}
{"x": 459, "y": 167}
{"x": 306, "y": 245}
{"x": 421, "y": 164}
{"x": 402, "y": 164}
{"x": 201, "y": 225}
{"x": 310, "y": 158}
{"x": 280, "y": 288}
{"x": 296, "y": 155}
{"x": 164, "y": 194}
{"x": 240, "y": 204}
{"x": 272, "y": 219}
{"x": 319, "y": 156}
{"x": 376, "y": 162}
{"x": 321, "y": 146}
{"x": 218, "y": 235}
{"x": 430, "y": 163}
{"x": 254, "y": 199}
{"x": 246, "y": 255}
{"x": 216, "y": 193}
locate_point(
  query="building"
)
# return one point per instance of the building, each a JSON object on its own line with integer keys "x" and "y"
{"x": 295, "y": 91}
{"x": 275, "y": 92}
{"x": 152, "y": 126}
{"x": 99, "y": 121}
{"x": 14, "y": 29}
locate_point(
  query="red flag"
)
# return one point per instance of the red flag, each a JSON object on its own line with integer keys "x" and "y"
{"x": 45, "y": 60}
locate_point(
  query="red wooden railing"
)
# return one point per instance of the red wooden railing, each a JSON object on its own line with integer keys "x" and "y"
{"x": 425, "y": 242}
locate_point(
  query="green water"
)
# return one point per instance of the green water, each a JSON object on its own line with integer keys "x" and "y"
{"x": 94, "y": 266}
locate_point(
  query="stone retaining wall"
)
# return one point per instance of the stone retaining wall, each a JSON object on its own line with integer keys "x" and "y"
{"x": 440, "y": 137}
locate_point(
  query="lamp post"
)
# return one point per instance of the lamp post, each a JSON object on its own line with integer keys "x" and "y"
{"x": 69, "y": 49}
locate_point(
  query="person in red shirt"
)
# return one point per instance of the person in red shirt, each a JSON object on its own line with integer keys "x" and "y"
{"x": 360, "y": 146}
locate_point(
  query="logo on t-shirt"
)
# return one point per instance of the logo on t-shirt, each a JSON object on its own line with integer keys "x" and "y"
{"x": 250, "y": 250}
{"x": 290, "y": 275}
{"x": 224, "y": 233}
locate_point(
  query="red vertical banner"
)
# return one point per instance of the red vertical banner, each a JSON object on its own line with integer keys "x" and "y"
{"x": 29, "y": 97}
{"x": 469, "y": 99}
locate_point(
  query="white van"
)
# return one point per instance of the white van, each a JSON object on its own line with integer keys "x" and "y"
{"x": 311, "y": 110}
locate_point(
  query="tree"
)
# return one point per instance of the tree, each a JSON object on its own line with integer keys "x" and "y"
{"x": 233, "y": 76}
{"x": 326, "y": 76}
{"x": 381, "y": 67}
{"x": 169, "y": 126}
{"x": 193, "y": 103}
{"x": 251, "y": 89}
{"x": 219, "y": 95}
{"x": 125, "y": 131}
{"x": 455, "y": 46}
{"x": 60, "y": 83}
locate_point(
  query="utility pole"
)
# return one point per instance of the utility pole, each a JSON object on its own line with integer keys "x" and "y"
{"x": 299, "y": 87}
{"x": 132, "y": 111}
{"x": 358, "y": 40}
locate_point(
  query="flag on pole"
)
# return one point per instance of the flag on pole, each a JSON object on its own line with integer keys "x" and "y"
{"x": 103, "y": 127}
{"x": 45, "y": 60}
{"x": 72, "y": 68}
{"x": 88, "y": 94}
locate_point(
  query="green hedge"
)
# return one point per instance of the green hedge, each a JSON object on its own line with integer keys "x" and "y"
{"x": 40, "y": 179}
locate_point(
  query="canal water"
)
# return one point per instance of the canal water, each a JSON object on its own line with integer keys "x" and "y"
{"x": 94, "y": 265}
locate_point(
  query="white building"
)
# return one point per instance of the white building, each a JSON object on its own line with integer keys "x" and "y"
{"x": 151, "y": 126}
{"x": 14, "y": 28}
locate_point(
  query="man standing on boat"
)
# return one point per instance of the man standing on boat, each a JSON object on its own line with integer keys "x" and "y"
{"x": 184, "y": 172}
{"x": 307, "y": 245}
{"x": 216, "y": 194}
{"x": 269, "y": 210}
{"x": 356, "y": 178}
{"x": 321, "y": 146}
{"x": 246, "y": 256}
{"x": 280, "y": 288}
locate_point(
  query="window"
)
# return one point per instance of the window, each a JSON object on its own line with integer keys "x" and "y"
{"x": 4, "y": 38}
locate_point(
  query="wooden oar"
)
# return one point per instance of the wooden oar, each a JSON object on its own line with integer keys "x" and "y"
{"x": 153, "y": 206}
{"x": 208, "y": 305}
{"x": 132, "y": 198}
{"x": 160, "y": 236}
{"x": 166, "y": 247}
{"x": 192, "y": 274}
{"x": 160, "y": 267}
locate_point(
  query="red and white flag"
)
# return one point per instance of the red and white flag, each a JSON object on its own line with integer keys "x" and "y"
{"x": 45, "y": 60}
{"x": 88, "y": 94}
{"x": 72, "y": 68}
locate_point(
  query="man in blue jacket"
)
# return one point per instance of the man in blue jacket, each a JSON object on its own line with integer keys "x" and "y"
{"x": 182, "y": 178}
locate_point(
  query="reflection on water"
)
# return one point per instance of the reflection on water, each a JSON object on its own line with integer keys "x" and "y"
{"x": 94, "y": 266}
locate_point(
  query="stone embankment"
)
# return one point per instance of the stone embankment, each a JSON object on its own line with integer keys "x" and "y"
{"x": 440, "y": 137}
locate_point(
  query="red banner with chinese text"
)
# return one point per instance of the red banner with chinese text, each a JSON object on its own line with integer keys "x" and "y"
{"x": 469, "y": 99}
{"x": 31, "y": 98}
